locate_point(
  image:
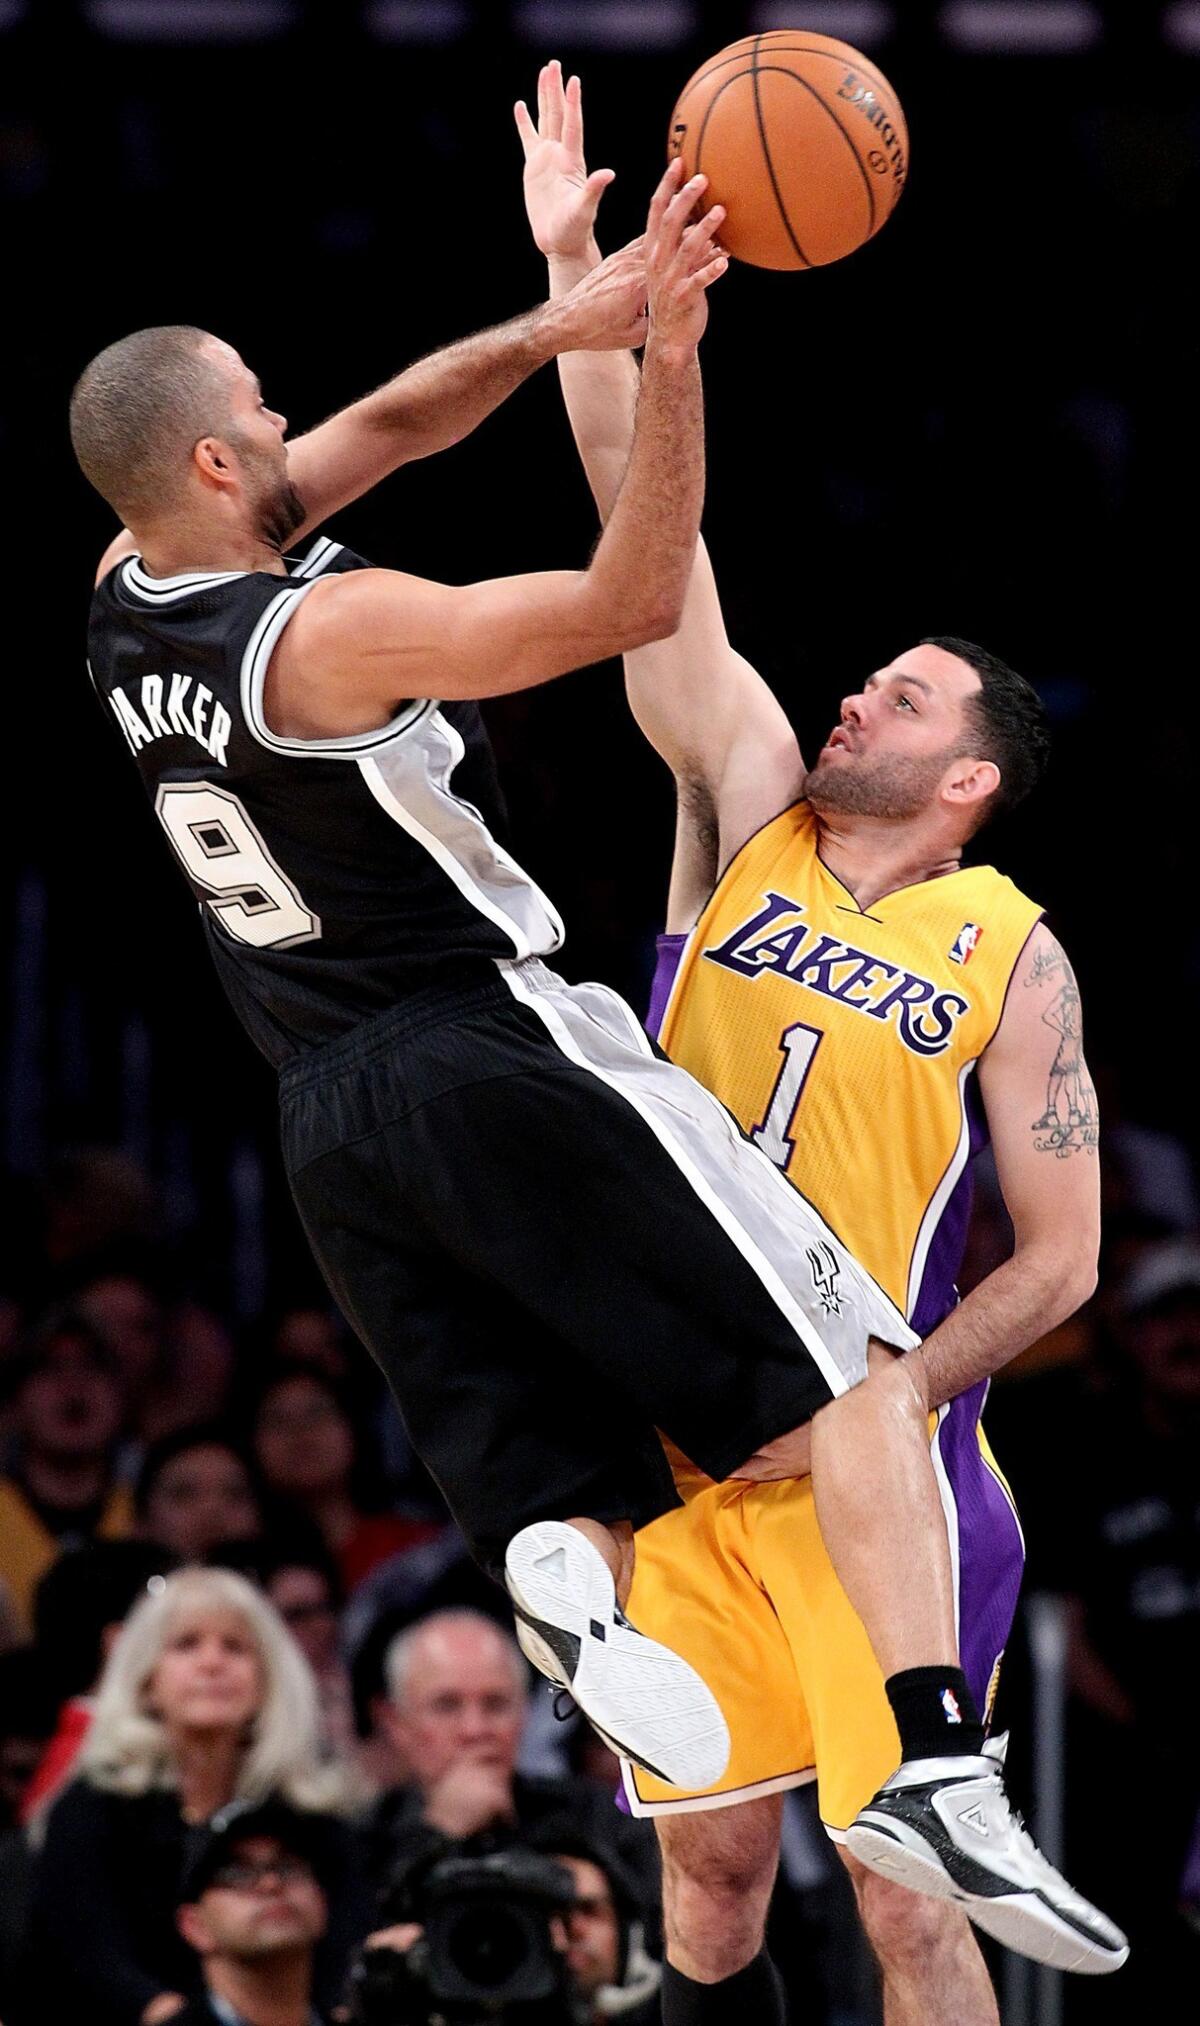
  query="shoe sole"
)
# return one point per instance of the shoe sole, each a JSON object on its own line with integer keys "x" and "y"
{"x": 646, "y": 1702}
{"x": 1022, "y": 1921}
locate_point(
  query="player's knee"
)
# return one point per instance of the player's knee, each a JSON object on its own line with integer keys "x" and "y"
{"x": 718, "y": 1872}
{"x": 904, "y": 1928}
{"x": 715, "y": 1905}
{"x": 714, "y": 1924}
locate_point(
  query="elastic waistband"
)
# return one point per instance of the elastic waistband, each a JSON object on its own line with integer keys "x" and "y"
{"x": 427, "y": 1008}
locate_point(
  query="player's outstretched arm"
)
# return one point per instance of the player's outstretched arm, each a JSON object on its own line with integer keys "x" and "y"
{"x": 1045, "y": 1127}
{"x": 439, "y": 400}
{"x": 701, "y": 705}
{"x": 360, "y": 643}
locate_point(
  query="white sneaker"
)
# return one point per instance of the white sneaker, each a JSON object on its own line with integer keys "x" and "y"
{"x": 646, "y": 1702}
{"x": 945, "y": 1827}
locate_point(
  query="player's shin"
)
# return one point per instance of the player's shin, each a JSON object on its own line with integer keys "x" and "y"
{"x": 882, "y": 1522}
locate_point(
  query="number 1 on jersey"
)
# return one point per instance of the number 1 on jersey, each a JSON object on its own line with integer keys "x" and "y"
{"x": 798, "y": 1045}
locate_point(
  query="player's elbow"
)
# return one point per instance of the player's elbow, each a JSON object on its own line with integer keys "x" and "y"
{"x": 625, "y": 617}
{"x": 1074, "y": 1274}
{"x": 657, "y": 618}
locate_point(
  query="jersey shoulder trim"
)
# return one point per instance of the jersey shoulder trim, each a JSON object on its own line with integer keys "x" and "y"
{"x": 319, "y": 557}
{"x": 167, "y": 590}
{"x": 255, "y": 660}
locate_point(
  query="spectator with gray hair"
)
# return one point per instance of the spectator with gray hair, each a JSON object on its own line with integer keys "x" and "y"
{"x": 458, "y": 1697}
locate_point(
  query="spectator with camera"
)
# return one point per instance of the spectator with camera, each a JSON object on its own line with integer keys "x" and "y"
{"x": 547, "y": 1934}
{"x": 611, "y": 1973}
{"x": 205, "y": 1701}
{"x": 457, "y": 1701}
{"x": 253, "y": 1909}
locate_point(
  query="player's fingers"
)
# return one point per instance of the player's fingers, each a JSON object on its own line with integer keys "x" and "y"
{"x": 525, "y": 127}
{"x": 706, "y": 226}
{"x": 593, "y": 190}
{"x": 544, "y": 101}
{"x": 554, "y": 98}
{"x": 678, "y": 211}
{"x": 572, "y": 124}
{"x": 698, "y": 243}
{"x": 668, "y": 184}
{"x": 712, "y": 271}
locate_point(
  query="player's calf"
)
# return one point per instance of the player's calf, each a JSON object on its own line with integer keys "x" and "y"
{"x": 718, "y": 1872}
{"x": 933, "y": 1973}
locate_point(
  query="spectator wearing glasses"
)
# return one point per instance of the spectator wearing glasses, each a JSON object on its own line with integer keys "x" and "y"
{"x": 253, "y": 1910}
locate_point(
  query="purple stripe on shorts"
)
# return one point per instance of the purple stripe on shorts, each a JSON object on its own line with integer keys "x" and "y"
{"x": 670, "y": 949}
{"x": 937, "y": 1294}
{"x": 990, "y": 1549}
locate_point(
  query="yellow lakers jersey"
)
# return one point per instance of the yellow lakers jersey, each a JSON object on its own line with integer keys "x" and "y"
{"x": 843, "y": 1041}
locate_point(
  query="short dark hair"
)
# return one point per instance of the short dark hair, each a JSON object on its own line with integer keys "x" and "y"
{"x": 139, "y": 409}
{"x": 162, "y": 1452}
{"x": 1009, "y": 720}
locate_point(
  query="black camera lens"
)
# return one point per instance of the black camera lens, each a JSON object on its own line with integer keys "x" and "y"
{"x": 487, "y": 1945}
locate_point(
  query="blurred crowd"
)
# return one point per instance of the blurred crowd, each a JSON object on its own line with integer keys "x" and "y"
{"x": 262, "y": 1722}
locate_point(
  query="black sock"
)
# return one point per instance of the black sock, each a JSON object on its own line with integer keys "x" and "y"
{"x": 753, "y": 1994}
{"x": 935, "y": 1713}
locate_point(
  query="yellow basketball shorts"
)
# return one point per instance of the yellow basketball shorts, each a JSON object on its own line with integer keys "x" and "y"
{"x": 737, "y": 1580}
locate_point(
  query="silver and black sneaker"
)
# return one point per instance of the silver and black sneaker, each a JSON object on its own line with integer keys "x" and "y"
{"x": 945, "y": 1827}
{"x": 646, "y": 1702}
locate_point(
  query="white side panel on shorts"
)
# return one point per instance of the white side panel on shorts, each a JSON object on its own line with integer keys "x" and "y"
{"x": 764, "y": 1217}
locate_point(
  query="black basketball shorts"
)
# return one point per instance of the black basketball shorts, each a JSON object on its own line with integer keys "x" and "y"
{"x": 555, "y": 1242}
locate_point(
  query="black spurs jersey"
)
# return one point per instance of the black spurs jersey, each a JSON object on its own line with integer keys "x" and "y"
{"x": 334, "y": 876}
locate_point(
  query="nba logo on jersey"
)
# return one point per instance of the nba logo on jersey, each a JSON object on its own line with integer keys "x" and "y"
{"x": 964, "y": 942}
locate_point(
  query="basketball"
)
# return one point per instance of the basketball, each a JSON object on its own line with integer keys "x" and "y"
{"x": 802, "y": 140}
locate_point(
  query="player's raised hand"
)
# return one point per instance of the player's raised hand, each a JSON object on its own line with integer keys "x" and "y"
{"x": 560, "y": 197}
{"x": 606, "y": 311}
{"x": 682, "y": 256}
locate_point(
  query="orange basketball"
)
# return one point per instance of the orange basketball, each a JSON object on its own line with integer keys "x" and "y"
{"x": 801, "y": 139}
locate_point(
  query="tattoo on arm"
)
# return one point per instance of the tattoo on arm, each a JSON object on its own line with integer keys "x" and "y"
{"x": 1071, "y": 1121}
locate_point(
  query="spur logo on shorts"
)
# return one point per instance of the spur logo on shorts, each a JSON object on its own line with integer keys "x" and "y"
{"x": 965, "y": 943}
{"x": 777, "y": 939}
{"x": 826, "y": 1271}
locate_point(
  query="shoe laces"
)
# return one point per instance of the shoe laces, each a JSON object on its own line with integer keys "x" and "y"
{"x": 564, "y": 1705}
